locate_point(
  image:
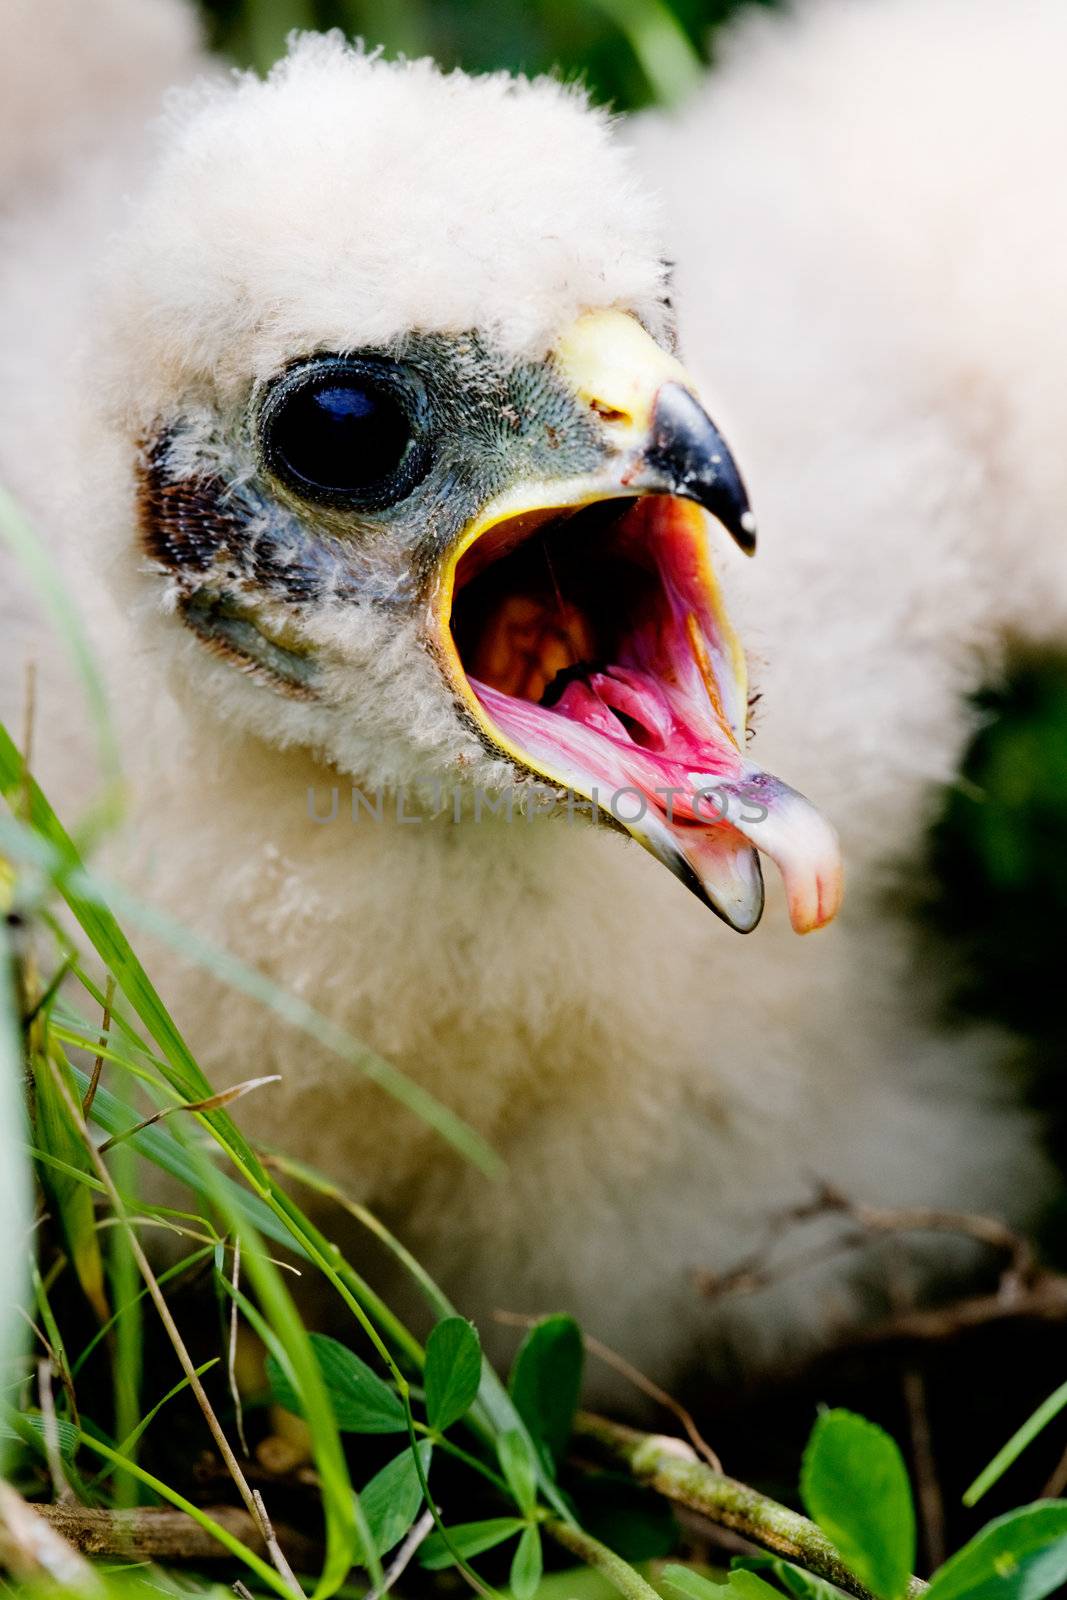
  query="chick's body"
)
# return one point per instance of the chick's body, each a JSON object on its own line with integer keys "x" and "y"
{"x": 875, "y": 307}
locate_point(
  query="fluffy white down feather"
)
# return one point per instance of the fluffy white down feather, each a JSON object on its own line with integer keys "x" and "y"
{"x": 866, "y": 210}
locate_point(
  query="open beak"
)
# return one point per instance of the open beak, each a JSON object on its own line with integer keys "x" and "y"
{"x": 582, "y": 625}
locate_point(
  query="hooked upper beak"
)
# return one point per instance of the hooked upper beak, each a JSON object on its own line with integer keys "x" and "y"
{"x": 647, "y": 405}
{"x": 582, "y": 626}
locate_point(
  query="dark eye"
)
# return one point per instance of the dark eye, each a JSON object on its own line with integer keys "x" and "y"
{"x": 350, "y": 431}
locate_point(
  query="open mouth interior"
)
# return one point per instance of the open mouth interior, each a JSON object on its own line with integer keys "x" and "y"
{"x": 596, "y": 649}
{"x": 590, "y": 642}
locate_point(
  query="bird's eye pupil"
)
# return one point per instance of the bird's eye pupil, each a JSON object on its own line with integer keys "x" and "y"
{"x": 342, "y": 434}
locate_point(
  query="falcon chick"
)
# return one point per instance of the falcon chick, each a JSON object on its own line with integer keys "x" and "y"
{"x": 355, "y": 413}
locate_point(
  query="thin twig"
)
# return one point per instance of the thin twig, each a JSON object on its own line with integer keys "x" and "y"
{"x": 931, "y": 1503}
{"x": 646, "y": 1385}
{"x": 1045, "y": 1300}
{"x": 670, "y": 1467}
{"x": 275, "y": 1551}
{"x": 98, "y": 1064}
{"x": 53, "y": 1454}
{"x": 403, "y": 1558}
{"x": 59, "y": 1365}
{"x": 231, "y": 1361}
{"x": 755, "y": 1272}
{"x": 931, "y": 1500}
{"x": 1058, "y": 1481}
{"x": 213, "y": 1102}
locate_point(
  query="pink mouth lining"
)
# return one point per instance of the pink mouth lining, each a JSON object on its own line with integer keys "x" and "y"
{"x": 654, "y": 734}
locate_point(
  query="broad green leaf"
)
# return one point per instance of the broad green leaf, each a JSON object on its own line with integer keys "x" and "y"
{"x": 527, "y": 1565}
{"x": 393, "y": 1498}
{"x": 453, "y": 1371}
{"x": 519, "y": 1468}
{"x": 855, "y": 1486}
{"x": 546, "y": 1381}
{"x": 1020, "y": 1556}
{"x": 494, "y": 1410}
{"x": 361, "y": 1401}
{"x": 469, "y": 1539}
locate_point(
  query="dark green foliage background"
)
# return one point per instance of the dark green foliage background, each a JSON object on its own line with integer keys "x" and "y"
{"x": 607, "y": 43}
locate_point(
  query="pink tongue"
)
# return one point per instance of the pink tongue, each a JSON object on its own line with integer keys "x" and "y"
{"x": 627, "y": 740}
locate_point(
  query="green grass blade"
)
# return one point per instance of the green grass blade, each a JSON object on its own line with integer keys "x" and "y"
{"x": 128, "y": 1350}
{"x": 72, "y": 1200}
{"x": 14, "y": 1184}
{"x": 126, "y": 1448}
{"x": 161, "y": 1278}
{"x": 661, "y": 45}
{"x": 1015, "y": 1446}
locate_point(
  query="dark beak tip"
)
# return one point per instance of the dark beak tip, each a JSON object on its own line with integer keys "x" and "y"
{"x": 746, "y": 534}
{"x": 692, "y": 459}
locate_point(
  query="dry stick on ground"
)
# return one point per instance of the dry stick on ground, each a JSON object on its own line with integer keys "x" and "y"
{"x": 1026, "y": 1290}
{"x": 670, "y": 1467}
{"x": 31, "y": 1550}
{"x": 161, "y": 1534}
{"x": 755, "y": 1272}
{"x": 1043, "y": 1300}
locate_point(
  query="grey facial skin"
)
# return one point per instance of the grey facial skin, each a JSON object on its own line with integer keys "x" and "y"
{"x": 213, "y": 514}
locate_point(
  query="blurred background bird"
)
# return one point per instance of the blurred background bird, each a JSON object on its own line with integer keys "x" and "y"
{"x": 352, "y": 403}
